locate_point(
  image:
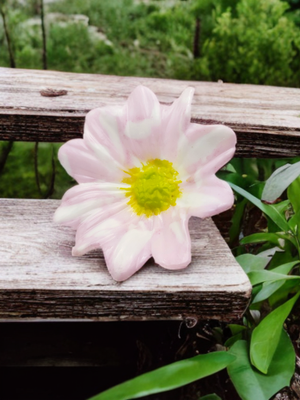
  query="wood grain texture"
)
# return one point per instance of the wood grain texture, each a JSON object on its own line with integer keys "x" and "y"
{"x": 40, "y": 279}
{"x": 266, "y": 119}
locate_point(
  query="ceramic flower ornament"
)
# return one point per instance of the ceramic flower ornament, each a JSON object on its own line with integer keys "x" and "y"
{"x": 143, "y": 169}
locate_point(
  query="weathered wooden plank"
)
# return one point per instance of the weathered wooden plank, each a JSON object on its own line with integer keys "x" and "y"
{"x": 266, "y": 119}
{"x": 39, "y": 279}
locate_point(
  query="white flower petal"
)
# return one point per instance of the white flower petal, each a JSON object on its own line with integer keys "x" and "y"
{"x": 175, "y": 121}
{"x": 143, "y": 124}
{"x": 100, "y": 227}
{"x": 210, "y": 197}
{"x": 204, "y": 143}
{"x": 80, "y": 200}
{"x": 119, "y": 138}
{"x": 81, "y": 163}
{"x": 171, "y": 243}
{"x": 127, "y": 254}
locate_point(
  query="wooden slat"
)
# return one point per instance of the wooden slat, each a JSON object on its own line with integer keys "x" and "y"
{"x": 40, "y": 279}
{"x": 266, "y": 119}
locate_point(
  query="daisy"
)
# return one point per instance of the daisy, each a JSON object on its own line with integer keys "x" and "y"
{"x": 143, "y": 169}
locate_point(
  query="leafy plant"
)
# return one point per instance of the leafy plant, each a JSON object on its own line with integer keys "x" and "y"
{"x": 246, "y": 40}
{"x": 169, "y": 377}
{"x": 264, "y": 357}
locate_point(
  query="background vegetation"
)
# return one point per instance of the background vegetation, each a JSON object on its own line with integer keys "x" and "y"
{"x": 245, "y": 41}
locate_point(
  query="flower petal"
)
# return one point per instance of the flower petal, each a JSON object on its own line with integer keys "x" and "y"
{"x": 80, "y": 200}
{"x": 175, "y": 121}
{"x": 207, "y": 198}
{"x": 118, "y": 138}
{"x": 103, "y": 135}
{"x": 123, "y": 236}
{"x": 143, "y": 124}
{"x": 143, "y": 113}
{"x": 101, "y": 226}
{"x": 205, "y": 146}
{"x": 125, "y": 254}
{"x": 80, "y": 162}
{"x": 171, "y": 243}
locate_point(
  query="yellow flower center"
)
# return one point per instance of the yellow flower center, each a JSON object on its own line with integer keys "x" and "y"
{"x": 153, "y": 188}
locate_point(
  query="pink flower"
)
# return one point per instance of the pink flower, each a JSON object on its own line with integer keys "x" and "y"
{"x": 143, "y": 170}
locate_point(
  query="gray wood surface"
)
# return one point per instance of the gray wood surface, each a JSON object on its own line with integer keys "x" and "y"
{"x": 41, "y": 280}
{"x": 266, "y": 119}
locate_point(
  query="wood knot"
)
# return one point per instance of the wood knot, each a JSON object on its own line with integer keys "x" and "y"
{"x": 53, "y": 92}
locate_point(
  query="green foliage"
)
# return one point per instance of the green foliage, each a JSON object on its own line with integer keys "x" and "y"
{"x": 244, "y": 41}
{"x": 253, "y": 385}
{"x": 249, "y": 41}
{"x": 169, "y": 377}
{"x": 257, "y": 277}
{"x": 266, "y": 336}
{"x": 210, "y": 397}
{"x": 269, "y": 210}
{"x": 258, "y": 45}
{"x": 293, "y": 194}
{"x": 279, "y": 181}
{"x": 250, "y": 262}
{"x": 273, "y": 284}
{"x": 20, "y": 164}
{"x": 66, "y": 43}
{"x": 265, "y": 357}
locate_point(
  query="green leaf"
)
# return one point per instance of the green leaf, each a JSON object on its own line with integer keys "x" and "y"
{"x": 294, "y": 222}
{"x": 235, "y": 328}
{"x": 230, "y": 342}
{"x": 237, "y": 334}
{"x": 256, "y": 277}
{"x": 256, "y": 289}
{"x": 293, "y": 193}
{"x": 237, "y": 217}
{"x": 270, "y": 211}
{"x": 250, "y": 262}
{"x": 210, "y": 397}
{"x": 280, "y": 180}
{"x": 282, "y": 206}
{"x": 169, "y": 377}
{"x": 262, "y": 237}
{"x": 267, "y": 290}
{"x": 285, "y": 268}
{"x": 253, "y": 385}
{"x": 276, "y": 238}
{"x": 235, "y": 178}
{"x": 229, "y": 167}
{"x": 281, "y": 257}
{"x": 266, "y": 335}
{"x": 281, "y": 295}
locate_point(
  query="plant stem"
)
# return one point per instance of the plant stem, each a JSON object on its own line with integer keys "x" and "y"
{"x": 6, "y": 150}
{"x": 4, "y": 154}
{"x": 7, "y": 36}
{"x": 50, "y": 189}
{"x": 197, "y": 38}
{"x": 297, "y": 242}
{"x": 36, "y": 170}
{"x": 45, "y": 64}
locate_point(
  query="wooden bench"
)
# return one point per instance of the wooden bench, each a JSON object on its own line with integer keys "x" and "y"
{"x": 40, "y": 280}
